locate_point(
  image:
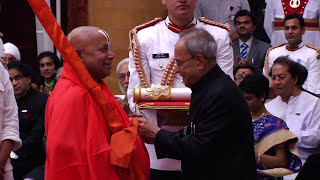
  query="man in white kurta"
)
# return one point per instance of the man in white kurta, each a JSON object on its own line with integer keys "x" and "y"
{"x": 302, "y": 115}
{"x": 276, "y": 11}
{"x": 157, "y": 43}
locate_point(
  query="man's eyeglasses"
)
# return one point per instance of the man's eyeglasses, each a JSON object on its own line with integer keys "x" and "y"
{"x": 16, "y": 78}
{"x": 180, "y": 63}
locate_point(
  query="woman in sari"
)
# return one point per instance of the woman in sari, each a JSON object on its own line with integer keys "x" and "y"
{"x": 276, "y": 153}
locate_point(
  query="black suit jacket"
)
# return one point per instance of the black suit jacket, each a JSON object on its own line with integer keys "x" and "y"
{"x": 222, "y": 145}
{"x": 257, "y": 52}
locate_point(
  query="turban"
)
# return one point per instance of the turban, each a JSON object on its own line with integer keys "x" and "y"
{"x": 10, "y": 48}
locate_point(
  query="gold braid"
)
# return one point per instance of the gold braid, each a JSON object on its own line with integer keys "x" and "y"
{"x": 135, "y": 48}
{"x": 215, "y": 23}
{"x": 266, "y": 61}
{"x": 314, "y": 47}
{"x": 169, "y": 72}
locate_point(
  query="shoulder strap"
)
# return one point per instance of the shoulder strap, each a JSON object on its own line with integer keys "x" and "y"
{"x": 266, "y": 61}
{"x": 314, "y": 47}
{"x": 136, "y": 52}
{"x": 225, "y": 26}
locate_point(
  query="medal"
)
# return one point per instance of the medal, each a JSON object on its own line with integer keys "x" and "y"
{"x": 294, "y": 3}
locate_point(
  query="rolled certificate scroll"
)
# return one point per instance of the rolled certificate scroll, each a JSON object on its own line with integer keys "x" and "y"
{"x": 161, "y": 93}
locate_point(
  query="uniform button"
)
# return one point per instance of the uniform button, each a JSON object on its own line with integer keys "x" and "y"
{"x": 161, "y": 66}
{"x": 284, "y": 8}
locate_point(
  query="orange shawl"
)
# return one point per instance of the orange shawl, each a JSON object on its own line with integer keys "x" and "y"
{"x": 78, "y": 144}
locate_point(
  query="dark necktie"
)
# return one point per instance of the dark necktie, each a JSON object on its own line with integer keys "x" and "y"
{"x": 244, "y": 51}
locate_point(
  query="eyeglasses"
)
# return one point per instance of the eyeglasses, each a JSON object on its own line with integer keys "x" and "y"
{"x": 180, "y": 63}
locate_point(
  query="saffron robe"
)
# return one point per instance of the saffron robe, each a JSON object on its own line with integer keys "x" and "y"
{"x": 78, "y": 138}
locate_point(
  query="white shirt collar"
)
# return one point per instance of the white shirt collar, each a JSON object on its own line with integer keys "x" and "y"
{"x": 249, "y": 42}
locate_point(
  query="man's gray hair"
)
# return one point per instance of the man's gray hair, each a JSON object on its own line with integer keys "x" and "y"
{"x": 199, "y": 41}
{"x": 124, "y": 61}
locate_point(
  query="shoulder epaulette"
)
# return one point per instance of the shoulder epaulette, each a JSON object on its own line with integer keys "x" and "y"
{"x": 314, "y": 47}
{"x": 147, "y": 24}
{"x": 266, "y": 61}
{"x": 225, "y": 26}
{"x": 135, "y": 49}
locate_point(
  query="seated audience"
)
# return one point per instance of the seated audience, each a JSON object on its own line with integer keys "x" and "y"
{"x": 248, "y": 49}
{"x": 243, "y": 70}
{"x": 299, "y": 109}
{"x": 49, "y": 64}
{"x": 31, "y": 110}
{"x": 275, "y": 150}
{"x": 299, "y": 52}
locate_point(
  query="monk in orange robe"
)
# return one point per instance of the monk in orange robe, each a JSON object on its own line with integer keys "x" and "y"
{"x": 81, "y": 143}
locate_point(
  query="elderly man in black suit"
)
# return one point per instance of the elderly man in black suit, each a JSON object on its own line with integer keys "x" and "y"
{"x": 248, "y": 49}
{"x": 217, "y": 142}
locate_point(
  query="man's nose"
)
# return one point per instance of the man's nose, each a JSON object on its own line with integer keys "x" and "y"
{"x": 126, "y": 80}
{"x": 14, "y": 82}
{"x": 111, "y": 55}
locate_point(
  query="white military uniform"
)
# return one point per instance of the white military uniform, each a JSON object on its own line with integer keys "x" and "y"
{"x": 306, "y": 56}
{"x": 275, "y": 10}
{"x": 158, "y": 40}
{"x": 221, "y": 10}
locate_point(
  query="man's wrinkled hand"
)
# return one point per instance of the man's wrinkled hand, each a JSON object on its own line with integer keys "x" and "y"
{"x": 147, "y": 130}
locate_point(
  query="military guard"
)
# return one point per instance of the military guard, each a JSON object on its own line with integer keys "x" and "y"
{"x": 152, "y": 62}
{"x": 305, "y": 54}
{"x": 277, "y": 10}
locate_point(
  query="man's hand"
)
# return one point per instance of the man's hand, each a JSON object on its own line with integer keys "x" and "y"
{"x": 243, "y": 61}
{"x": 125, "y": 105}
{"x": 147, "y": 131}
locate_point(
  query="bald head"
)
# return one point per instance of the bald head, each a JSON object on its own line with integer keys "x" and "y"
{"x": 92, "y": 45}
{"x": 79, "y": 36}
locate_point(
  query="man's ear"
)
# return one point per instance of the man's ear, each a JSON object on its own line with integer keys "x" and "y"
{"x": 303, "y": 30}
{"x": 28, "y": 79}
{"x": 201, "y": 61}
